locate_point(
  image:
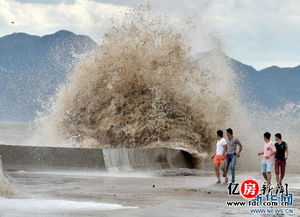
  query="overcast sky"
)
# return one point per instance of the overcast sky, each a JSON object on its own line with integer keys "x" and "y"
{"x": 258, "y": 33}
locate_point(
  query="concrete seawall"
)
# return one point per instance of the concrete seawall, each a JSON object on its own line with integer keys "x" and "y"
{"x": 145, "y": 158}
{"x": 34, "y": 157}
{"x": 39, "y": 157}
{"x": 1, "y": 168}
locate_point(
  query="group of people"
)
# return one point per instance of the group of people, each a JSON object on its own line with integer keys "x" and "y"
{"x": 227, "y": 152}
{"x": 280, "y": 152}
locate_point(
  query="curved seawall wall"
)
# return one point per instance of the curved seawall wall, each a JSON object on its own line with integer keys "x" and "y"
{"x": 40, "y": 158}
{"x": 1, "y": 168}
{"x": 145, "y": 158}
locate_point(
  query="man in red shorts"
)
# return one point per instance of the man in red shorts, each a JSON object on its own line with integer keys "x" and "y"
{"x": 219, "y": 156}
{"x": 280, "y": 158}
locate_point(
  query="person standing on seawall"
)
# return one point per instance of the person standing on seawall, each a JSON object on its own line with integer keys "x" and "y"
{"x": 268, "y": 157}
{"x": 219, "y": 156}
{"x": 280, "y": 158}
{"x": 232, "y": 153}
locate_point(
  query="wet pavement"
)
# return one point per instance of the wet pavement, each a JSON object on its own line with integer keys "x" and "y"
{"x": 82, "y": 193}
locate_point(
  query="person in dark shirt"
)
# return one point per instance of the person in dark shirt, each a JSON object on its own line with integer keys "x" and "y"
{"x": 280, "y": 158}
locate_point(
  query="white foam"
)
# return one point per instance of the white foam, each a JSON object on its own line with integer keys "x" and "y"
{"x": 87, "y": 174}
{"x": 48, "y": 205}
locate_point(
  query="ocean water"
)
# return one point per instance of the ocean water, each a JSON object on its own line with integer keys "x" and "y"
{"x": 48, "y": 206}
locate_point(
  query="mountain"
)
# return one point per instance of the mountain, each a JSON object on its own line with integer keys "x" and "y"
{"x": 31, "y": 67}
{"x": 271, "y": 87}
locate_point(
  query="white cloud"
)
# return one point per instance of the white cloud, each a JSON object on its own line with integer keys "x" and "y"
{"x": 253, "y": 31}
{"x": 82, "y": 16}
{"x": 261, "y": 32}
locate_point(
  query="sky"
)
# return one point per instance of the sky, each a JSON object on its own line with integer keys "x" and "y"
{"x": 255, "y": 32}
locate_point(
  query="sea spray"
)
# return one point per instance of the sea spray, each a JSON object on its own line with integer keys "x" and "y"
{"x": 142, "y": 88}
{"x": 6, "y": 188}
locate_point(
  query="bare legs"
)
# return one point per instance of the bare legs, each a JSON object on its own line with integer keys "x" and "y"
{"x": 267, "y": 177}
{"x": 224, "y": 171}
{"x": 217, "y": 171}
{"x": 279, "y": 170}
{"x": 278, "y": 179}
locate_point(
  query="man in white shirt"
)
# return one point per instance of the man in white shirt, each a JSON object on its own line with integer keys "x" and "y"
{"x": 219, "y": 156}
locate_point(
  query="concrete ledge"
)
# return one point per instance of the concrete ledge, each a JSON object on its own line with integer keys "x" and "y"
{"x": 35, "y": 157}
{"x": 144, "y": 158}
{"x": 39, "y": 157}
{"x": 1, "y": 168}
